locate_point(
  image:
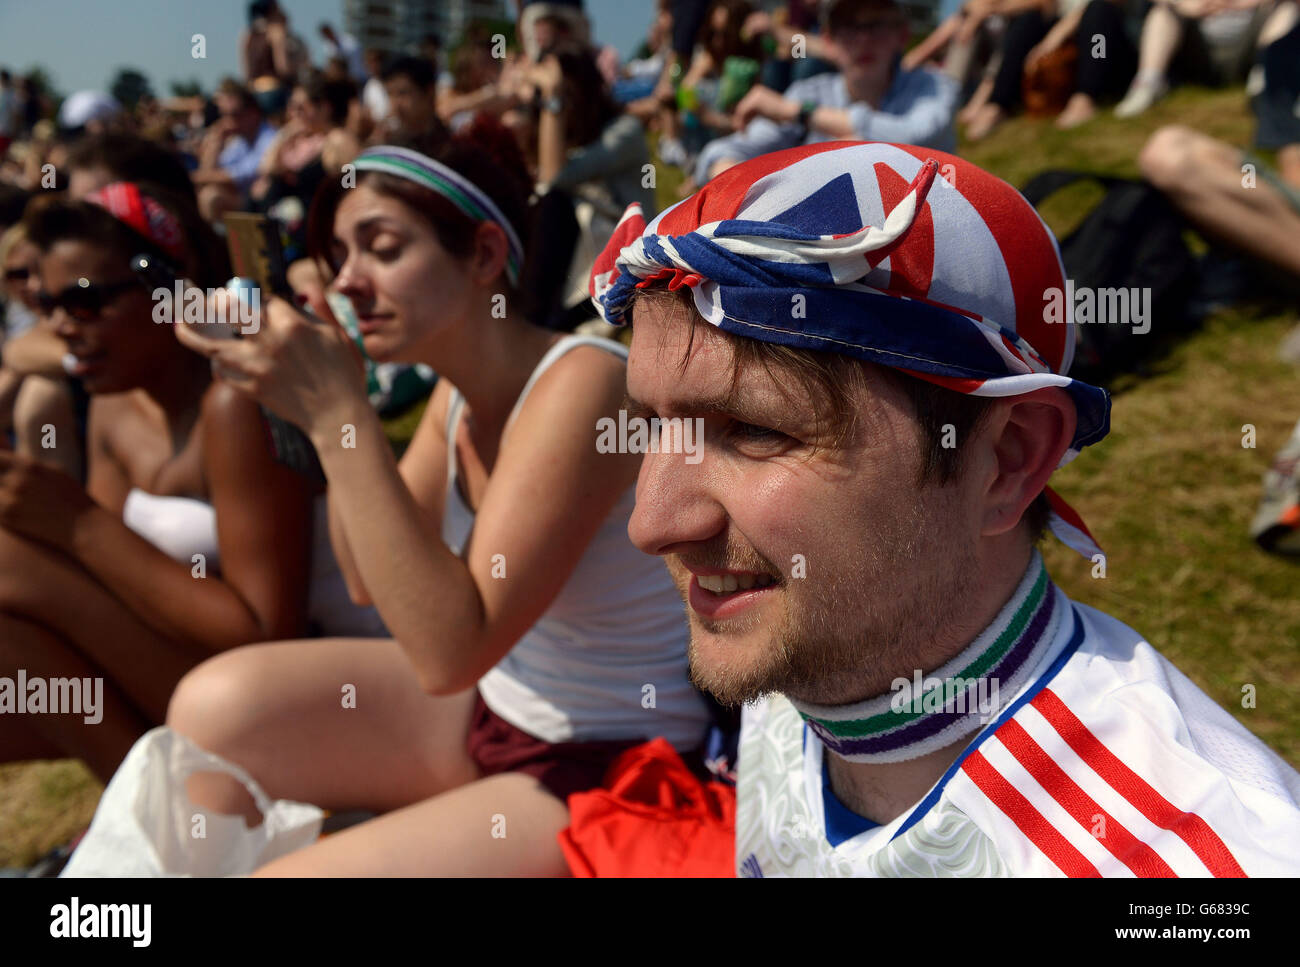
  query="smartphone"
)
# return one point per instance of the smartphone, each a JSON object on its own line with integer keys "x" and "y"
{"x": 257, "y": 253}
{"x": 157, "y": 274}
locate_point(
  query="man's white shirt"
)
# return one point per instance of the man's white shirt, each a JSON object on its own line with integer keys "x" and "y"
{"x": 1110, "y": 762}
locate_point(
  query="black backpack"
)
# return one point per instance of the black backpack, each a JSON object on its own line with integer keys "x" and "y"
{"x": 1132, "y": 239}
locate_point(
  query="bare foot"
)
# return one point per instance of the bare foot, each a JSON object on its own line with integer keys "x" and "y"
{"x": 1078, "y": 110}
{"x": 988, "y": 118}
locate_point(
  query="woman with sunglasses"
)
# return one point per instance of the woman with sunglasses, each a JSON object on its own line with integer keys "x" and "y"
{"x": 188, "y": 539}
{"x": 532, "y": 642}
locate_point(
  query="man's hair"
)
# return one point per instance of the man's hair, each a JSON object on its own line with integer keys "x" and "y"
{"x": 129, "y": 157}
{"x": 232, "y": 88}
{"x": 836, "y": 14}
{"x": 415, "y": 69}
{"x": 835, "y": 380}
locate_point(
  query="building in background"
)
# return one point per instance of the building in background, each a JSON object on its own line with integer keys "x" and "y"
{"x": 399, "y": 25}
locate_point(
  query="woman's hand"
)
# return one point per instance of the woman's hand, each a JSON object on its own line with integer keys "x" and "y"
{"x": 547, "y": 76}
{"x": 39, "y": 502}
{"x": 305, "y": 369}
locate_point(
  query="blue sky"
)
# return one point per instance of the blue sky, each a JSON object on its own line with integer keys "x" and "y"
{"x": 82, "y": 43}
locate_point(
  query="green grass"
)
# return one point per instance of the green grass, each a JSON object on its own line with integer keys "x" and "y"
{"x": 1169, "y": 494}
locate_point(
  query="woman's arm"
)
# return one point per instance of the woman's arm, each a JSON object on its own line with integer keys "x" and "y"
{"x": 37, "y": 351}
{"x": 263, "y": 524}
{"x": 424, "y": 470}
{"x": 548, "y": 494}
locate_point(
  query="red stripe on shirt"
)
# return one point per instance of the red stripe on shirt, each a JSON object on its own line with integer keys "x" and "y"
{"x": 1123, "y": 845}
{"x": 1029, "y": 820}
{"x": 1189, "y": 827}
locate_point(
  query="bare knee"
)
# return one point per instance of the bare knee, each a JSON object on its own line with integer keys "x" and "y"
{"x": 215, "y": 703}
{"x": 1165, "y": 156}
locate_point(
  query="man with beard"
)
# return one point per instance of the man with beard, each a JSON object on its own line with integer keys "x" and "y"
{"x": 883, "y": 403}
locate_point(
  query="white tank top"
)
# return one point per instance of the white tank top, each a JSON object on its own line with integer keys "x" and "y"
{"x": 181, "y": 527}
{"x": 617, "y": 626}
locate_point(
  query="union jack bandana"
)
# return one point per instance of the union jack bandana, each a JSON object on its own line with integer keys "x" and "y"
{"x": 125, "y": 202}
{"x": 898, "y": 255}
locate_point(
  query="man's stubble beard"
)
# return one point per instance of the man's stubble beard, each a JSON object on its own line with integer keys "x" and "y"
{"x": 843, "y": 636}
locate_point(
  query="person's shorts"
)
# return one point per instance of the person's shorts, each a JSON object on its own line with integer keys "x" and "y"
{"x": 562, "y": 768}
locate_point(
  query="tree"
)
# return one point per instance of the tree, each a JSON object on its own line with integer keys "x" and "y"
{"x": 129, "y": 86}
{"x": 190, "y": 88}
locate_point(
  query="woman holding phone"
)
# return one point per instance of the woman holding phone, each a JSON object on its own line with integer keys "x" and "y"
{"x": 188, "y": 538}
{"x": 531, "y": 641}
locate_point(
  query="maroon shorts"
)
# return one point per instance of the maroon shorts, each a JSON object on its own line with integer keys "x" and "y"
{"x": 562, "y": 768}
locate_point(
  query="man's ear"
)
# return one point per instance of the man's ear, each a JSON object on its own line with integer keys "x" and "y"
{"x": 1025, "y": 439}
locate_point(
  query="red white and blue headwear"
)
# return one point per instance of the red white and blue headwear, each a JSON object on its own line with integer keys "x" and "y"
{"x": 897, "y": 255}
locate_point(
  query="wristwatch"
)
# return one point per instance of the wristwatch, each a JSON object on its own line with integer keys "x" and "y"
{"x": 554, "y": 104}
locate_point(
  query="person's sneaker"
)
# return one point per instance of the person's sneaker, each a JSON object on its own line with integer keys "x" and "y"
{"x": 672, "y": 152}
{"x": 1141, "y": 96}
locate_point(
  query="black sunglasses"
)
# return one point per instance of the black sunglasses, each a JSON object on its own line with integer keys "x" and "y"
{"x": 84, "y": 299}
{"x": 17, "y": 275}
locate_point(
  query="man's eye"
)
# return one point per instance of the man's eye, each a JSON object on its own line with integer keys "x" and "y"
{"x": 754, "y": 433}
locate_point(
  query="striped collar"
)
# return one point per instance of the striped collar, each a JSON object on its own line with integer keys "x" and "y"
{"x": 933, "y": 710}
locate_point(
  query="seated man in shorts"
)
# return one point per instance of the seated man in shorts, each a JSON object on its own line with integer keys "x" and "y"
{"x": 882, "y": 402}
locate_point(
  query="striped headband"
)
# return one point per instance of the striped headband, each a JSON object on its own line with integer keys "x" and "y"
{"x": 889, "y": 253}
{"x": 142, "y": 214}
{"x": 455, "y": 187}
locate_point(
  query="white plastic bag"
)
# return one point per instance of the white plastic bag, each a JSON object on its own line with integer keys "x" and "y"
{"x": 146, "y": 825}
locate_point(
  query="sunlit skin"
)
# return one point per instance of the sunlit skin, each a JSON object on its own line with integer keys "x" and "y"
{"x": 413, "y": 107}
{"x": 898, "y": 577}
{"x": 121, "y": 347}
{"x": 408, "y": 291}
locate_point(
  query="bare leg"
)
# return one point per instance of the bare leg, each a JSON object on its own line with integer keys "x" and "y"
{"x": 929, "y": 48}
{"x": 285, "y": 712}
{"x": 977, "y": 101}
{"x": 44, "y": 414}
{"x": 1162, "y": 32}
{"x": 101, "y": 742}
{"x": 47, "y": 589}
{"x": 500, "y": 826}
{"x": 1203, "y": 177}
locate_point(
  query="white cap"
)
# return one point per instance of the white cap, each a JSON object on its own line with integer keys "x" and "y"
{"x": 84, "y": 106}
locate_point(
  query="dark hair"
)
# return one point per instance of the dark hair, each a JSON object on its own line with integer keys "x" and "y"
{"x": 232, "y": 88}
{"x": 836, "y": 15}
{"x": 486, "y": 153}
{"x": 12, "y": 202}
{"x": 833, "y": 380}
{"x": 415, "y": 69}
{"x": 129, "y": 157}
{"x": 336, "y": 95}
{"x": 591, "y": 105}
{"x": 205, "y": 261}
{"x": 728, "y": 42}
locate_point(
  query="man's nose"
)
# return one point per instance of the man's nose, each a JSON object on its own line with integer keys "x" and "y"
{"x": 674, "y": 503}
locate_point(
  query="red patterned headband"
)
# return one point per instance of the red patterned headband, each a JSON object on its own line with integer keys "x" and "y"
{"x": 125, "y": 202}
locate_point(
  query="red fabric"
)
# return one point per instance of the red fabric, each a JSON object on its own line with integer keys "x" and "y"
{"x": 653, "y": 818}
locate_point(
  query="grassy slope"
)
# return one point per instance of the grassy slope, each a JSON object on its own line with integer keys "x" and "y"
{"x": 1169, "y": 494}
